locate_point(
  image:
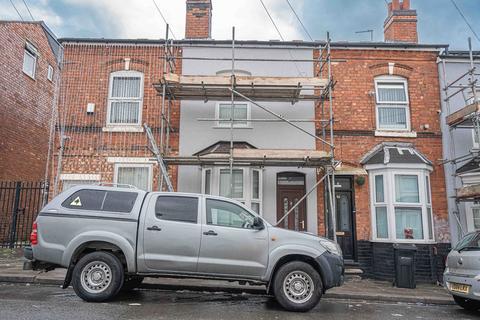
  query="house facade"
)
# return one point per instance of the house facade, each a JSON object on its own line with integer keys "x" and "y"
{"x": 460, "y": 143}
{"x": 389, "y": 186}
{"x": 29, "y": 71}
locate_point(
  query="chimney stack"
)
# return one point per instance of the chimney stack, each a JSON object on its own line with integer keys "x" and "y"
{"x": 199, "y": 19}
{"x": 401, "y": 23}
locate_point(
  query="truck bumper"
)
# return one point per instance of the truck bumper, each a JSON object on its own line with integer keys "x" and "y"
{"x": 32, "y": 264}
{"x": 332, "y": 270}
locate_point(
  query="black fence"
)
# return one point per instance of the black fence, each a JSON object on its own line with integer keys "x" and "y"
{"x": 20, "y": 203}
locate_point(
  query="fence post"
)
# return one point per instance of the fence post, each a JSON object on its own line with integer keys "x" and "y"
{"x": 13, "y": 229}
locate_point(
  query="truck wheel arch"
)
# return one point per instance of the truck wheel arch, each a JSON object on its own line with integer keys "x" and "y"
{"x": 294, "y": 257}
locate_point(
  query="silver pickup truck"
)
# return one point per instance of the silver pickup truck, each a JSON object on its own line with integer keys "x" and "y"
{"x": 110, "y": 238}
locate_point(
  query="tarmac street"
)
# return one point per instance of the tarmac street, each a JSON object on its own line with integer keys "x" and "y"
{"x": 34, "y": 301}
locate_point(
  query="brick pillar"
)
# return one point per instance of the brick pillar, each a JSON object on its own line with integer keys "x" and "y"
{"x": 401, "y": 23}
{"x": 199, "y": 19}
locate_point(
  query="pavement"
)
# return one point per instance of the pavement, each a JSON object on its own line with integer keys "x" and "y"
{"x": 11, "y": 263}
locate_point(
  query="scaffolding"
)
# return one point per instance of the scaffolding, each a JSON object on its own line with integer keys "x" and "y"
{"x": 468, "y": 117}
{"x": 254, "y": 89}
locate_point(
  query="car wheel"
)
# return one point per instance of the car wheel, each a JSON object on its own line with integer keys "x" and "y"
{"x": 467, "y": 304}
{"x": 131, "y": 283}
{"x": 98, "y": 276}
{"x": 297, "y": 286}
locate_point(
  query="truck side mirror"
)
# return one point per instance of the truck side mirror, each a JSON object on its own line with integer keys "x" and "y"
{"x": 258, "y": 224}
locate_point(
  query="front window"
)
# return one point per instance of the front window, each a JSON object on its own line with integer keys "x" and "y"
{"x": 392, "y": 103}
{"x": 402, "y": 208}
{"x": 226, "y": 214}
{"x": 139, "y": 176}
{"x": 241, "y": 112}
{"x": 125, "y": 98}
{"x": 245, "y": 186}
{"x": 30, "y": 55}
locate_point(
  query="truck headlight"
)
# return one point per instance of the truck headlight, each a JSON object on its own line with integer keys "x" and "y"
{"x": 331, "y": 246}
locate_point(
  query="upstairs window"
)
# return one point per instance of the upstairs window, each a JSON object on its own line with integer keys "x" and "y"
{"x": 392, "y": 104}
{"x": 30, "y": 60}
{"x": 125, "y": 98}
{"x": 241, "y": 115}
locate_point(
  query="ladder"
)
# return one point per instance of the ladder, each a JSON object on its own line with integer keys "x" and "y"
{"x": 158, "y": 156}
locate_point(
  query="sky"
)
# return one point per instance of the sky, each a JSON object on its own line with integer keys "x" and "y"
{"x": 438, "y": 20}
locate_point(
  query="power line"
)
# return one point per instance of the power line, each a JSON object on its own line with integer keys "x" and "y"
{"x": 300, "y": 73}
{"x": 271, "y": 19}
{"x": 300, "y": 20}
{"x": 28, "y": 9}
{"x": 465, "y": 19}
{"x": 163, "y": 17}
{"x": 13, "y": 5}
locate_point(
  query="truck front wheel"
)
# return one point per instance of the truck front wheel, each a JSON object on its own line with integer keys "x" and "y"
{"x": 297, "y": 286}
{"x": 98, "y": 276}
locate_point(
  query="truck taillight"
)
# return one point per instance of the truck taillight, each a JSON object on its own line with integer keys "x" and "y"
{"x": 34, "y": 234}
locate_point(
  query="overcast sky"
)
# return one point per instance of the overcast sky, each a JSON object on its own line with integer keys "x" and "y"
{"x": 439, "y": 21}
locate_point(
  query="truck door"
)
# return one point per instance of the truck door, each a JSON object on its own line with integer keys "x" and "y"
{"x": 171, "y": 234}
{"x": 230, "y": 246}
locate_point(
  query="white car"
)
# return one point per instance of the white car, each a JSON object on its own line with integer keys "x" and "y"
{"x": 462, "y": 272}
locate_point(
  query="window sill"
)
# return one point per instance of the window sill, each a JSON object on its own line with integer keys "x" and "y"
{"x": 234, "y": 127}
{"x": 120, "y": 128}
{"x": 31, "y": 77}
{"x": 417, "y": 241}
{"x": 400, "y": 134}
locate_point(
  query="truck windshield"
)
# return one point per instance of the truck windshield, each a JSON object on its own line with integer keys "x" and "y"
{"x": 470, "y": 242}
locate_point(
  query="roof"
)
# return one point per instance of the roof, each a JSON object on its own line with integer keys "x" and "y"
{"x": 257, "y": 158}
{"x": 223, "y": 147}
{"x": 263, "y": 43}
{"x": 52, "y": 39}
{"x": 460, "y": 54}
{"x": 471, "y": 166}
{"x": 394, "y": 152}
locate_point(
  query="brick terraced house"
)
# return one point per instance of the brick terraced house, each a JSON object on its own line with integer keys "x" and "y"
{"x": 389, "y": 188}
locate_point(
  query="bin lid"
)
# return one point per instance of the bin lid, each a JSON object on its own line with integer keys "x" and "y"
{"x": 405, "y": 246}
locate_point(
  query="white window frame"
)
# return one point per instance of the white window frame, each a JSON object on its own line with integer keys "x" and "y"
{"x": 475, "y": 144}
{"x": 219, "y": 124}
{"x": 247, "y": 184}
{"x": 469, "y": 216}
{"x": 135, "y": 165}
{"x": 50, "y": 72}
{"x": 78, "y": 178}
{"x": 392, "y": 79}
{"x": 125, "y": 73}
{"x": 31, "y": 51}
{"x": 389, "y": 174}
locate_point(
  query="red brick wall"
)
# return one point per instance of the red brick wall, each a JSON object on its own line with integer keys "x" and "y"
{"x": 198, "y": 19}
{"x": 354, "y": 111}
{"x": 86, "y": 78}
{"x": 25, "y": 103}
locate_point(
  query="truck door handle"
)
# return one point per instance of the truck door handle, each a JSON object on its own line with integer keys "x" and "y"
{"x": 154, "y": 228}
{"x": 210, "y": 233}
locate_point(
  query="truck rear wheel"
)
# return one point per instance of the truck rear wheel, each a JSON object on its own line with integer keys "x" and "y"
{"x": 297, "y": 286}
{"x": 98, "y": 276}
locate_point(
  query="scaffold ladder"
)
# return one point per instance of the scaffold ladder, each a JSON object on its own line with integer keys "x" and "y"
{"x": 158, "y": 156}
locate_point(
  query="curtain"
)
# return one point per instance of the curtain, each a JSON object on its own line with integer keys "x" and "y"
{"x": 382, "y": 222}
{"x": 237, "y": 183}
{"x": 256, "y": 184}
{"x": 240, "y": 113}
{"x": 406, "y": 188}
{"x": 408, "y": 222}
{"x": 135, "y": 176}
{"x": 391, "y": 92}
{"x": 392, "y": 117}
{"x": 126, "y": 87}
{"x": 124, "y": 112}
{"x": 379, "y": 193}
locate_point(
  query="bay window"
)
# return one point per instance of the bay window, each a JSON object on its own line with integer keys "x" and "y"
{"x": 125, "y": 98}
{"x": 401, "y": 204}
{"x": 246, "y": 185}
{"x": 392, "y": 103}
